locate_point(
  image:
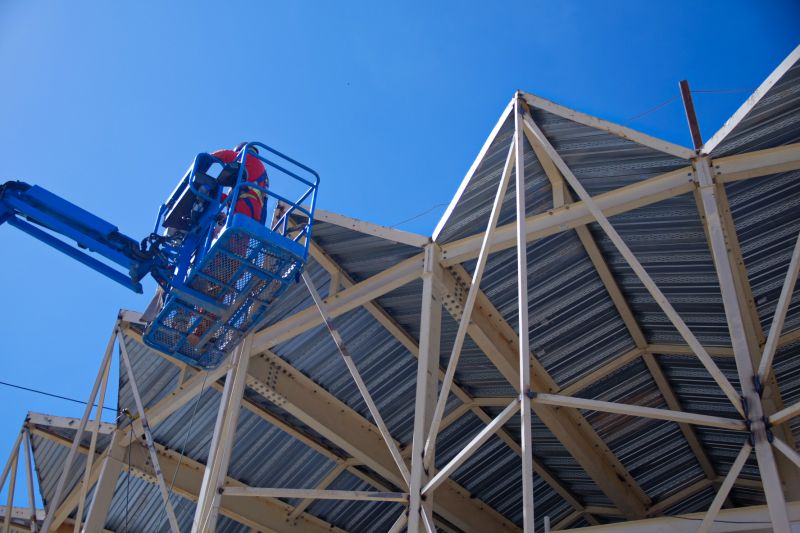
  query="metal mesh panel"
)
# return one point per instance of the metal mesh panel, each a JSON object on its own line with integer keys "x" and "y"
{"x": 243, "y": 274}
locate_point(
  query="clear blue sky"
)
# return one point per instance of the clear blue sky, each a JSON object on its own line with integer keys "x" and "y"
{"x": 106, "y": 103}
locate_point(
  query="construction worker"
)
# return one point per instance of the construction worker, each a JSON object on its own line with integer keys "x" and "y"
{"x": 250, "y": 201}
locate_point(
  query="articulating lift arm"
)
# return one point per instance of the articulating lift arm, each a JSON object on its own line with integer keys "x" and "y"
{"x": 220, "y": 270}
{"x": 43, "y": 215}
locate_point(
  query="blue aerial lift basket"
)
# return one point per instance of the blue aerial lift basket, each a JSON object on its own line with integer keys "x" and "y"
{"x": 239, "y": 266}
{"x": 219, "y": 271}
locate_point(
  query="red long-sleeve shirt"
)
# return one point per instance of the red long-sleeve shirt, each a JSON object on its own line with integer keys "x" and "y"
{"x": 250, "y": 201}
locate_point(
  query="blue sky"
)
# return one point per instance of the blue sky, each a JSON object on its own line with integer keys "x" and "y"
{"x": 106, "y": 103}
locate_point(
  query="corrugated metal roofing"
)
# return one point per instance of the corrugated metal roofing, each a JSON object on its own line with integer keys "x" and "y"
{"x": 774, "y": 120}
{"x": 574, "y": 325}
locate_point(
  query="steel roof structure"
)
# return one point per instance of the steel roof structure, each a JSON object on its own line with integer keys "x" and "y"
{"x": 656, "y": 373}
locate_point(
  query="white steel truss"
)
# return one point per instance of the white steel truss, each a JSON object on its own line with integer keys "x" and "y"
{"x": 430, "y": 497}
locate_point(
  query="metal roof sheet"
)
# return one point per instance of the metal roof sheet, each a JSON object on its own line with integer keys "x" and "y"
{"x": 574, "y": 325}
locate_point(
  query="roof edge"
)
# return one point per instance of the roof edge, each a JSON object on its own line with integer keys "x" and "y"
{"x": 468, "y": 177}
{"x": 369, "y": 228}
{"x": 611, "y": 127}
{"x": 752, "y": 101}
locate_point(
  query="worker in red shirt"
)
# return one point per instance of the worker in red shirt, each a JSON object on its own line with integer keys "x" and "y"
{"x": 250, "y": 201}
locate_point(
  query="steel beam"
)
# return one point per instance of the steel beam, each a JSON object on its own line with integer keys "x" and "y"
{"x": 262, "y": 513}
{"x": 105, "y": 473}
{"x": 627, "y": 198}
{"x": 404, "y": 338}
{"x": 743, "y": 519}
{"x": 526, "y": 426}
{"x": 173, "y": 521}
{"x": 344, "y": 301}
{"x": 473, "y": 168}
{"x": 472, "y": 447}
{"x": 29, "y": 479}
{"x": 219, "y": 454}
{"x": 328, "y": 416}
{"x": 636, "y": 266}
{"x": 427, "y": 378}
{"x": 638, "y": 410}
{"x": 357, "y": 495}
{"x": 744, "y": 363}
{"x": 725, "y": 488}
{"x": 562, "y": 196}
{"x": 466, "y": 312}
{"x": 776, "y": 328}
{"x": 357, "y": 379}
{"x": 92, "y": 446}
{"x": 498, "y": 340}
{"x": 469, "y": 405}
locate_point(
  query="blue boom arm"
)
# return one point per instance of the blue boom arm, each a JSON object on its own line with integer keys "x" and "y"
{"x": 85, "y": 237}
{"x": 220, "y": 270}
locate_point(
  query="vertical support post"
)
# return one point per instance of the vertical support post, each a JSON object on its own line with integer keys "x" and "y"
{"x": 148, "y": 435}
{"x": 751, "y": 394}
{"x": 92, "y": 446}
{"x": 219, "y": 455}
{"x": 110, "y": 469}
{"x": 427, "y": 377}
{"x": 12, "y": 482}
{"x": 56, "y": 502}
{"x": 29, "y": 478}
{"x": 526, "y": 437}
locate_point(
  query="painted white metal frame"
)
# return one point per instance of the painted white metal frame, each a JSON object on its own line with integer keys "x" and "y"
{"x": 526, "y": 431}
{"x": 148, "y": 435}
{"x": 359, "y": 381}
{"x": 466, "y": 315}
{"x": 219, "y": 454}
{"x": 421, "y": 479}
{"x": 751, "y": 395}
{"x": 427, "y": 378}
{"x": 56, "y": 501}
{"x": 636, "y": 266}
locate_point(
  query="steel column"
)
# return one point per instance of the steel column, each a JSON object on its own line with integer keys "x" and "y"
{"x": 751, "y": 395}
{"x": 219, "y": 454}
{"x": 526, "y": 431}
{"x": 427, "y": 378}
{"x": 110, "y": 468}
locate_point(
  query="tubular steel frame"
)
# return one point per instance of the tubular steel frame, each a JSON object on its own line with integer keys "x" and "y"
{"x": 429, "y": 495}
